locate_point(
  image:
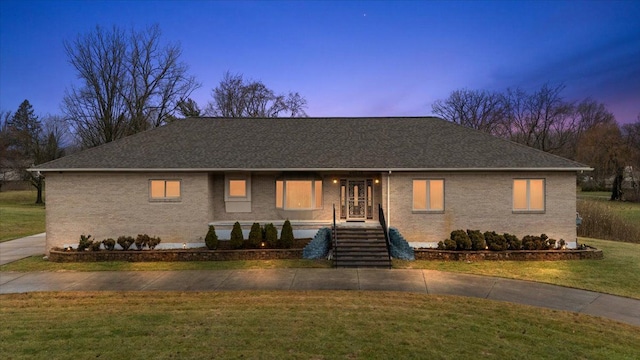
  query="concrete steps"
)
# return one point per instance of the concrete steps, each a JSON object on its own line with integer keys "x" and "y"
{"x": 361, "y": 247}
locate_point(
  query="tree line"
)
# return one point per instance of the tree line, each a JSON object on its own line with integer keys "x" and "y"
{"x": 584, "y": 131}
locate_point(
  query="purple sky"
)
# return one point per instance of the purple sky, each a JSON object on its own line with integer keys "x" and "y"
{"x": 347, "y": 58}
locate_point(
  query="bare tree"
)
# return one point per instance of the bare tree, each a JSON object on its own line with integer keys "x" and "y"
{"x": 478, "y": 109}
{"x": 542, "y": 119}
{"x": 131, "y": 82}
{"x": 237, "y": 97}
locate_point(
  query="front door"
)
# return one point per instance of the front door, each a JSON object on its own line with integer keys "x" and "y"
{"x": 356, "y": 199}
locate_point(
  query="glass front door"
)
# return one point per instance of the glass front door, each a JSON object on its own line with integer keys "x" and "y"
{"x": 356, "y": 199}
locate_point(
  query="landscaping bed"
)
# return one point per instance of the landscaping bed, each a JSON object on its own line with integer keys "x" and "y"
{"x": 510, "y": 255}
{"x": 201, "y": 254}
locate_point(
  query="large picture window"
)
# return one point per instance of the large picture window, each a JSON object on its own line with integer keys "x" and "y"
{"x": 528, "y": 194}
{"x": 428, "y": 195}
{"x": 164, "y": 189}
{"x": 299, "y": 194}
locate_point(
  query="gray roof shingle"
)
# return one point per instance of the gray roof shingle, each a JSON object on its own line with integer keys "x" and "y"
{"x": 390, "y": 143}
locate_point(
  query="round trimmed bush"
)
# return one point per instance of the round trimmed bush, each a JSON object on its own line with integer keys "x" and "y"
{"x": 495, "y": 242}
{"x": 463, "y": 242}
{"x": 477, "y": 240}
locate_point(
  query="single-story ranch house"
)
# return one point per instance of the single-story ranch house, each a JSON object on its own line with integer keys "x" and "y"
{"x": 430, "y": 177}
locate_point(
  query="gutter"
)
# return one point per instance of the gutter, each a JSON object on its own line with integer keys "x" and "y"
{"x": 569, "y": 169}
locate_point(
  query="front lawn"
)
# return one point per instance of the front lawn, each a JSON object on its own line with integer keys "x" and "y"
{"x": 19, "y": 215}
{"x": 298, "y": 325}
{"x": 618, "y": 273}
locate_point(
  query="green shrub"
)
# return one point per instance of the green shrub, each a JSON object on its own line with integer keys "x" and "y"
{"x": 211, "y": 240}
{"x": 440, "y": 245}
{"x": 513, "y": 241}
{"x": 477, "y": 240}
{"x": 463, "y": 242}
{"x": 125, "y": 242}
{"x": 95, "y": 245}
{"x": 531, "y": 242}
{"x": 153, "y": 242}
{"x": 496, "y": 242}
{"x": 286, "y": 236}
{"x": 271, "y": 235}
{"x": 84, "y": 242}
{"x": 255, "y": 236}
{"x": 141, "y": 241}
{"x": 109, "y": 244}
{"x": 450, "y": 244}
{"x": 237, "y": 239}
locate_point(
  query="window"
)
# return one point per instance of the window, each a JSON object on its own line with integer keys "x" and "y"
{"x": 298, "y": 194}
{"x": 238, "y": 188}
{"x": 528, "y": 194}
{"x": 428, "y": 195}
{"x": 164, "y": 189}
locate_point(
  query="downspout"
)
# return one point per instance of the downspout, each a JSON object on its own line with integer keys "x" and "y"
{"x": 388, "y": 200}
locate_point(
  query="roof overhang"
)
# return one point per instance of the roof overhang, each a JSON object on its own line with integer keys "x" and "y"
{"x": 103, "y": 170}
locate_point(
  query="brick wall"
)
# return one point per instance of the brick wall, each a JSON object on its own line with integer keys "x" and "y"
{"x": 114, "y": 204}
{"x": 483, "y": 201}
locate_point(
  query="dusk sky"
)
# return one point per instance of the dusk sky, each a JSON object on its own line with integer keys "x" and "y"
{"x": 349, "y": 58}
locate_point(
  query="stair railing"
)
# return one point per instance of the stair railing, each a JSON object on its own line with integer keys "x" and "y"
{"x": 334, "y": 237}
{"x": 383, "y": 223}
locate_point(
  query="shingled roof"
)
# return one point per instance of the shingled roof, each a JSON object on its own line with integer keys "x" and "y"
{"x": 390, "y": 143}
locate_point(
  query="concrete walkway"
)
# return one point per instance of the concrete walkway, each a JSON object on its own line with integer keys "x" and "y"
{"x": 21, "y": 248}
{"x": 419, "y": 281}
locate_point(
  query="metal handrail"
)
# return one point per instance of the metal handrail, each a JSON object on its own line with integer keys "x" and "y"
{"x": 383, "y": 223}
{"x": 334, "y": 237}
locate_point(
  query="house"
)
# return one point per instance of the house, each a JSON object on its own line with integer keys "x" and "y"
{"x": 430, "y": 177}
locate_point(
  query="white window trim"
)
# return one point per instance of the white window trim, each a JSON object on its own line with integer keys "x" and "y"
{"x": 428, "y": 194}
{"x": 528, "y": 210}
{"x": 313, "y": 195}
{"x": 165, "y": 199}
{"x": 246, "y": 178}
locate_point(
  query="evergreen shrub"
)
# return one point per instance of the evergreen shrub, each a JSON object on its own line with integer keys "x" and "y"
{"x": 255, "y": 236}
{"x": 271, "y": 235}
{"x": 211, "y": 240}
{"x": 237, "y": 239}
{"x": 477, "y": 240}
{"x": 286, "y": 236}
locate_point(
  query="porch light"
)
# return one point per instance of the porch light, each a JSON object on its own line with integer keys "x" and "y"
{"x": 377, "y": 181}
{"x": 335, "y": 181}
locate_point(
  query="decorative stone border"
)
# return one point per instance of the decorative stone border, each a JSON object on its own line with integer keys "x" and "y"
{"x": 173, "y": 255}
{"x": 511, "y": 255}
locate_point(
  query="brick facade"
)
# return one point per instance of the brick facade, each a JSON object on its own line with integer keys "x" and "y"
{"x": 111, "y": 204}
{"x": 114, "y": 204}
{"x": 484, "y": 201}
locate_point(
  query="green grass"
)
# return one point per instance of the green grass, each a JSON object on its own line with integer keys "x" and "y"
{"x": 629, "y": 211}
{"x": 19, "y": 215}
{"x": 299, "y": 325}
{"x": 36, "y": 263}
{"x": 618, "y": 273}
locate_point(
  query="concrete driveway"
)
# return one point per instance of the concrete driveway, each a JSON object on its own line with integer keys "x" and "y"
{"x": 21, "y": 248}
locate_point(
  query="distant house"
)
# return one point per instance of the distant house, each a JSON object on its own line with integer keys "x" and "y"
{"x": 429, "y": 176}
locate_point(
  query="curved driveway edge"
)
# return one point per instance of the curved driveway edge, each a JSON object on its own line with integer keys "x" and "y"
{"x": 421, "y": 281}
{"x": 17, "y": 249}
